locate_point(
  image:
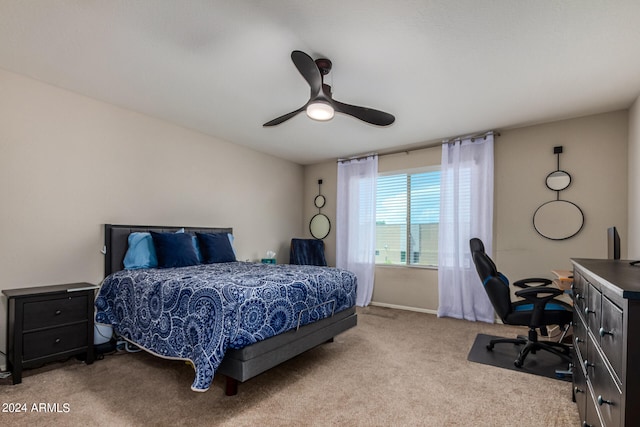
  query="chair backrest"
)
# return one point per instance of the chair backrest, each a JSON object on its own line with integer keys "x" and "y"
{"x": 307, "y": 252}
{"x": 476, "y": 245}
{"x": 495, "y": 283}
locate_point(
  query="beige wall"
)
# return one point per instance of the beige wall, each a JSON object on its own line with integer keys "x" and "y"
{"x": 632, "y": 242}
{"x": 327, "y": 172}
{"x": 69, "y": 164}
{"x": 595, "y": 154}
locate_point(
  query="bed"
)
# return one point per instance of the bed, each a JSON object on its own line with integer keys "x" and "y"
{"x": 237, "y": 319}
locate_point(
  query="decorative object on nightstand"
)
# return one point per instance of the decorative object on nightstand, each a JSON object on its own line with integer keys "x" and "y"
{"x": 270, "y": 259}
{"x": 319, "y": 226}
{"x": 558, "y": 219}
{"x": 48, "y": 323}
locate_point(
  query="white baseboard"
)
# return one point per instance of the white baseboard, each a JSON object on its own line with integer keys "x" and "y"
{"x": 419, "y": 310}
{"x": 404, "y": 307}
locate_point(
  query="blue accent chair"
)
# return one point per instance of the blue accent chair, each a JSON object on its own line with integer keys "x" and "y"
{"x": 537, "y": 310}
{"x": 307, "y": 252}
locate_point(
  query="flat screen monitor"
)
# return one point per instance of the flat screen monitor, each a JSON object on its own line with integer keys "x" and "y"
{"x": 613, "y": 243}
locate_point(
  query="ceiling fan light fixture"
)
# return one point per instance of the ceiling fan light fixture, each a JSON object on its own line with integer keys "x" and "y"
{"x": 320, "y": 111}
{"x": 321, "y": 105}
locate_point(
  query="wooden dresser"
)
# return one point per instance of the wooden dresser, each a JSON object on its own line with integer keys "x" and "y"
{"x": 606, "y": 374}
{"x": 48, "y": 323}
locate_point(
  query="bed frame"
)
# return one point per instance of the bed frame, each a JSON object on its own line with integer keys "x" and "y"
{"x": 238, "y": 365}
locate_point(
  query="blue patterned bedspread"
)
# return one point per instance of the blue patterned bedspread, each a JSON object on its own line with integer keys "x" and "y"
{"x": 196, "y": 313}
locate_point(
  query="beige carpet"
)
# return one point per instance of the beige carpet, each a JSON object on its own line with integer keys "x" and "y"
{"x": 395, "y": 368}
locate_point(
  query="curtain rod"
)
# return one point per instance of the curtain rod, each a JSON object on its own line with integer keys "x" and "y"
{"x": 451, "y": 140}
{"x": 472, "y": 137}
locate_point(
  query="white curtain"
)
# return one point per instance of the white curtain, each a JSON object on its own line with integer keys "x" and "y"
{"x": 356, "y": 222}
{"x": 466, "y": 211}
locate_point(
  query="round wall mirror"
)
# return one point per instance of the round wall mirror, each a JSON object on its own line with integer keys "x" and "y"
{"x": 558, "y": 220}
{"x": 558, "y": 180}
{"x": 319, "y": 226}
{"x": 319, "y": 201}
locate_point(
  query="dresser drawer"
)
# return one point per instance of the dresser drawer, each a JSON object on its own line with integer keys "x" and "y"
{"x": 606, "y": 395}
{"x": 55, "y": 340}
{"x": 592, "y": 418}
{"x": 579, "y": 292}
{"x": 579, "y": 336}
{"x": 52, "y": 312}
{"x": 592, "y": 310}
{"x": 610, "y": 334}
{"x": 579, "y": 385}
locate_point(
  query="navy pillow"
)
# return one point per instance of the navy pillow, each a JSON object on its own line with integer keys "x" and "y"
{"x": 174, "y": 249}
{"x": 216, "y": 247}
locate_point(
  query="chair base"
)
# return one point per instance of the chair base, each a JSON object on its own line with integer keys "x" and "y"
{"x": 531, "y": 345}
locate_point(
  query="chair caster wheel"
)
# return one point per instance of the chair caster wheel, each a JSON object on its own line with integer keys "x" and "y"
{"x": 518, "y": 364}
{"x": 489, "y": 347}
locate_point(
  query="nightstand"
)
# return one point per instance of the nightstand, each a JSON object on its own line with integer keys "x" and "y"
{"x": 48, "y": 323}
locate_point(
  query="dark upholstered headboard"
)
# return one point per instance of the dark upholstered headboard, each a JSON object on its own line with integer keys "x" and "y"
{"x": 116, "y": 240}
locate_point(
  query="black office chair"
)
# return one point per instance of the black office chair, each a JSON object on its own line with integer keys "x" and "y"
{"x": 307, "y": 252}
{"x": 537, "y": 310}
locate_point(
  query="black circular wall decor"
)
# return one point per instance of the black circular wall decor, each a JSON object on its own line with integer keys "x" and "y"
{"x": 319, "y": 226}
{"x": 558, "y": 219}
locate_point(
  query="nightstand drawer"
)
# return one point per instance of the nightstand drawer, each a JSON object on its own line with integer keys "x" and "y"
{"x": 52, "y": 312}
{"x": 45, "y": 323}
{"x": 52, "y": 341}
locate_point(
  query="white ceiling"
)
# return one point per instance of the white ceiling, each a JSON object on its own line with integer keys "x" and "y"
{"x": 442, "y": 67}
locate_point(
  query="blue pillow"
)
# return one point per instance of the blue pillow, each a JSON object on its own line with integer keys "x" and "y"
{"x": 196, "y": 247}
{"x": 216, "y": 247}
{"x": 174, "y": 249}
{"x": 231, "y": 238}
{"x": 141, "y": 253}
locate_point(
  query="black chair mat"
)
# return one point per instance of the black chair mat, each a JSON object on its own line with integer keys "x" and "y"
{"x": 503, "y": 355}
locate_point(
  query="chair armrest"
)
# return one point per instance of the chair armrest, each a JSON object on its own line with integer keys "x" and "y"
{"x": 524, "y": 283}
{"x": 531, "y": 294}
{"x": 539, "y": 302}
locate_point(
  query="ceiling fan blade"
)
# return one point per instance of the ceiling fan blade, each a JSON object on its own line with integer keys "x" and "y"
{"x": 309, "y": 70}
{"x": 284, "y": 118}
{"x": 369, "y": 115}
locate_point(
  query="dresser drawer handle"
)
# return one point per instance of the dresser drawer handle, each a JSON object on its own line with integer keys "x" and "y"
{"x": 579, "y": 340}
{"x": 58, "y": 312}
{"x": 588, "y": 364}
{"x": 578, "y": 390}
{"x": 57, "y": 341}
{"x": 601, "y": 401}
{"x": 587, "y": 311}
{"x": 602, "y": 332}
{"x": 584, "y": 424}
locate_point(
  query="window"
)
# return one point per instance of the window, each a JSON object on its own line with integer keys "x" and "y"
{"x": 407, "y": 216}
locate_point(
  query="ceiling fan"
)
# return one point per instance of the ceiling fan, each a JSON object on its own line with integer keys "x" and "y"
{"x": 321, "y": 106}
